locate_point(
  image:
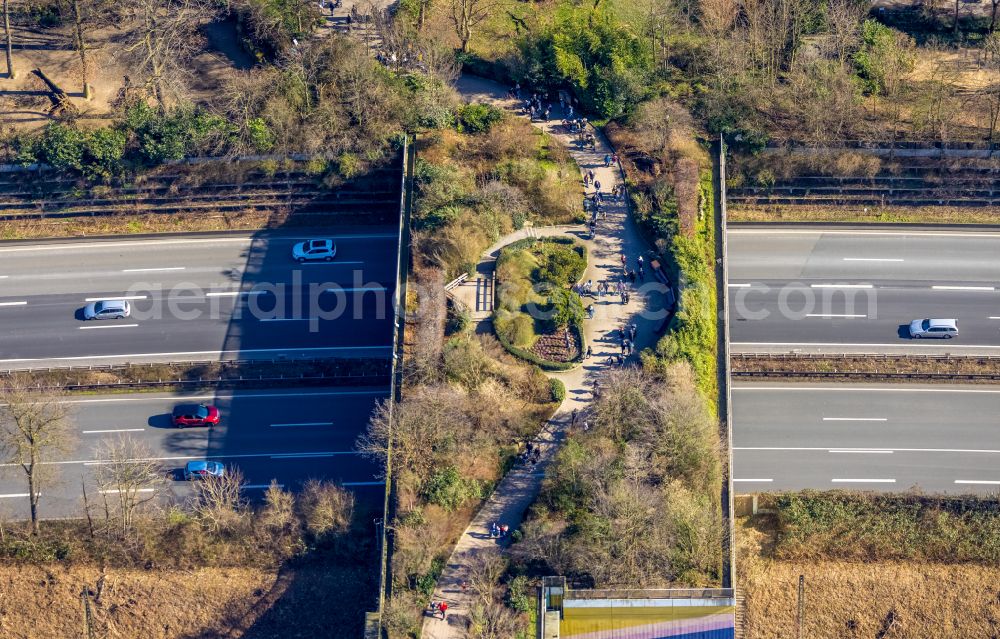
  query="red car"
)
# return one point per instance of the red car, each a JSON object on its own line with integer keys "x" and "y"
{"x": 195, "y": 415}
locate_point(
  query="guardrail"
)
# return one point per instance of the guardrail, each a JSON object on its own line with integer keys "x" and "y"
{"x": 882, "y": 356}
{"x": 652, "y": 593}
{"x": 456, "y": 282}
{"x": 128, "y": 366}
{"x": 866, "y": 375}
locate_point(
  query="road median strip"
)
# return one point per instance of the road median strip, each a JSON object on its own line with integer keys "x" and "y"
{"x": 970, "y": 368}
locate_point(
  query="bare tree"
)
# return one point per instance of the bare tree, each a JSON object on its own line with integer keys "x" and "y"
{"x": 843, "y": 19}
{"x": 219, "y": 501}
{"x": 990, "y": 94}
{"x": 81, "y": 47}
{"x": 11, "y": 73}
{"x": 34, "y": 431}
{"x": 467, "y": 15}
{"x": 128, "y": 479}
{"x": 994, "y": 5}
{"x": 163, "y": 37}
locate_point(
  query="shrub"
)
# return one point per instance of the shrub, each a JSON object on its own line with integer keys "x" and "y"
{"x": 348, "y": 165}
{"x": 562, "y": 308}
{"x": 325, "y": 508}
{"x": 559, "y": 264}
{"x": 449, "y": 490}
{"x": 558, "y": 390}
{"x": 478, "y": 118}
{"x": 62, "y": 146}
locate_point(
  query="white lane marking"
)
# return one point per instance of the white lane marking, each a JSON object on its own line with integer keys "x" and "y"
{"x": 149, "y": 270}
{"x": 349, "y": 290}
{"x": 863, "y": 452}
{"x": 85, "y": 328}
{"x": 331, "y": 263}
{"x": 771, "y": 231}
{"x": 16, "y": 495}
{"x": 896, "y": 450}
{"x": 115, "y": 491}
{"x": 986, "y": 482}
{"x": 24, "y": 303}
{"x": 302, "y": 455}
{"x": 840, "y": 286}
{"x": 98, "y": 462}
{"x": 862, "y": 389}
{"x": 175, "y": 398}
{"x": 244, "y": 352}
{"x": 124, "y": 297}
{"x": 836, "y": 315}
{"x": 855, "y": 419}
{"x": 234, "y": 293}
{"x": 923, "y": 343}
{"x": 863, "y": 481}
{"x": 3, "y": 277}
{"x": 731, "y": 285}
{"x": 363, "y": 483}
{"x": 67, "y": 246}
{"x": 962, "y": 288}
{"x": 994, "y": 317}
{"x": 261, "y": 486}
{"x": 753, "y": 480}
{"x": 872, "y": 259}
{"x": 115, "y": 430}
{"x": 304, "y": 424}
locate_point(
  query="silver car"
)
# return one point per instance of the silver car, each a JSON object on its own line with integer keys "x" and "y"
{"x": 107, "y": 309}
{"x": 933, "y": 328}
{"x": 314, "y": 250}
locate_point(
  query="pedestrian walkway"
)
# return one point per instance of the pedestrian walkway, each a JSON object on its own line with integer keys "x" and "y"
{"x": 616, "y": 236}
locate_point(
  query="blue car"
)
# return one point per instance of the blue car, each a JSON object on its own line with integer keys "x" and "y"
{"x": 203, "y": 469}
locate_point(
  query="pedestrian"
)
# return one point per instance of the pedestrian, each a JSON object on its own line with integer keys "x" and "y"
{"x": 443, "y": 607}
{"x": 642, "y": 274}
{"x": 621, "y": 332}
{"x": 590, "y": 352}
{"x": 627, "y": 296}
{"x": 590, "y": 174}
{"x": 633, "y": 329}
{"x": 570, "y": 112}
{"x": 504, "y": 529}
{"x": 574, "y": 416}
{"x": 624, "y": 346}
{"x": 607, "y": 160}
{"x": 597, "y": 185}
{"x": 639, "y": 260}
{"x": 610, "y": 362}
{"x": 590, "y": 312}
{"x": 631, "y": 276}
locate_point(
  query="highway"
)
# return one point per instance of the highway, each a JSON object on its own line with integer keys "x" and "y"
{"x": 938, "y": 438}
{"x": 843, "y": 290}
{"x": 196, "y": 297}
{"x": 288, "y": 435}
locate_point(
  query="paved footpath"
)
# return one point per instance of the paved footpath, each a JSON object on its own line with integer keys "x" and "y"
{"x": 615, "y": 235}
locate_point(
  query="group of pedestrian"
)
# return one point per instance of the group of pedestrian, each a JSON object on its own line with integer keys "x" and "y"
{"x": 439, "y": 607}
{"x": 532, "y": 454}
{"x": 535, "y": 108}
{"x": 498, "y": 530}
{"x": 610, "y": 158}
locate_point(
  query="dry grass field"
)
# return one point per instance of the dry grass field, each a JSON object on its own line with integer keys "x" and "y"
{"x": 884, "y": 600}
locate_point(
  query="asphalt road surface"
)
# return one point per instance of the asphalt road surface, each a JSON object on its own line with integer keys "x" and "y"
{"x": 196, "y": 297}
{"x": 289, "y": 436}
{"x": 940, "y": 439}
{"x": 855, "y": 291}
